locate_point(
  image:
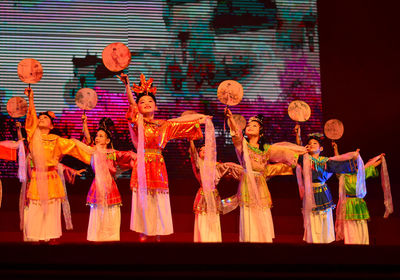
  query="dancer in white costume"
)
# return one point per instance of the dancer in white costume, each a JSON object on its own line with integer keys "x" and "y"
{"x": 45, "y": 190}
{"x": 207, "y": 226}
{"x": 317, "y": 200}
{"x": 253, "y": 197}
{"x": 151, "y": 210}
{"x": 352, "y": 213}
{"x": 103, "y": 197}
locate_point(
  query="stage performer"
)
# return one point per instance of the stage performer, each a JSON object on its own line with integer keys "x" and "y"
{"x": 104, "y": 198}
{"x": 151, "y": 210}
{"x": 317, "y": 199}
{"x": 25, "y": 172}
{"x": 45, "y": 191}
{"x": 254, "y": 198}
{"x": 207, "y": 205}
{"x": 352, "y": 212}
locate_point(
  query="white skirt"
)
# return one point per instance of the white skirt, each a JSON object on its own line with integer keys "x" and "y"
{"x": 104, "y": 223}
{"x": 256, "y": 225}
{"x": 207, "y": 227}
{"x": 156, "y": 219}
{"x": 322, "y": 227}
{"x": 39, "y": 225}
{"x": 356, "y": 232}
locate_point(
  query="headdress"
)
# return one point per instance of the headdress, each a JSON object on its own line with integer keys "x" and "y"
{"x": 316, "y": 136}
{"x": 258, "y": 118}
{"x": 144, "y": 87}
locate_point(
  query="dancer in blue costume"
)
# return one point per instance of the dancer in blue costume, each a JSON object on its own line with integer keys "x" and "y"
{"x": 317, "y": 200}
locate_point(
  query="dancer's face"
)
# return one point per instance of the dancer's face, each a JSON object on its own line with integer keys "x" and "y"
{"x": 101, "y": 138}
{"x": 314, "y": 147}
{"x": 45, "y": 122}
{"x": 253, "y": 129}
{"x": 147, "y": 105}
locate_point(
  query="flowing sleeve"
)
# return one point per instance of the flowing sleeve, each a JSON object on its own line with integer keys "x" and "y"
{"x": 69, "y": 147}
{"x": 371, "y": 172}
{"x": 341, "y": 167}
{"x": 174, "y": 130}
{"x": 278, "y": 169}
{"x": 283, "y": 155}
{"x": 7, "y": 152}
{"x": 125, "y": 159}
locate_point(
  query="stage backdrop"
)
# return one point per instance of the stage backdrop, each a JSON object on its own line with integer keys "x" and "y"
{"x": 188, "y": 47}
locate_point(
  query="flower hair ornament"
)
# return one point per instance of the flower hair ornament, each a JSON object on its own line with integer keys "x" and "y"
{"x": 145, "y": 87}
{"x": 316, "y": 135}
{"x": 50, "y": 114}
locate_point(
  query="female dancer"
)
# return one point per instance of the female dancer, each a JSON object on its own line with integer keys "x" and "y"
{"x": 103, "y": 197}
{"x": 317, "y": 200}
{"x": 254, "y": 197}
{"x": 207, "y": 205}
{"x": 352, "y": 212}
{"x": 45, "y": 191}
{"x": 151, "y": 210}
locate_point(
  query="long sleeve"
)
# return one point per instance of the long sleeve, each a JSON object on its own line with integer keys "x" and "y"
{"x": 371, "y": 172}
{"x": 341, "y": 167}
{"x": 7, "y": 152}
{"x": 283, "y": 155}
{"x": 69, "y": 147}
{"x": 278, "y": 169}
{"x": 173, "y": 130}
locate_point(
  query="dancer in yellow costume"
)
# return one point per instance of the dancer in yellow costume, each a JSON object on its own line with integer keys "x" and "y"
{"x": 45, "y": 192}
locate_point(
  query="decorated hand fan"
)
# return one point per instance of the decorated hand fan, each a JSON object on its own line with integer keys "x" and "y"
{"x": 299, "y": 111}
{"x": 334, "y": 129}
{"x": 230, "y": 92}
{"x": 17, "y": 107}
{"x": 116, "y": 57}
{"x": 86, "y": 98}
{"x": 240, "y": 121}
{"x": 30, "y": 71}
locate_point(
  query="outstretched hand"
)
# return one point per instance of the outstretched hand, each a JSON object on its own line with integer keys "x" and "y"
{"x": 297, "y": 129}
{"x": 124, "y": 78}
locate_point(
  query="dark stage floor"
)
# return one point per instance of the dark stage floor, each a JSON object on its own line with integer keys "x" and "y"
{"x": 176, "y": 255}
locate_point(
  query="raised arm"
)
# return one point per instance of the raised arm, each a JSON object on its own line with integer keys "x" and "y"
{"x": 31, "y": 121}
{"x": 237, "y": 135}
{"x": 125, "y": 79}
{"x": 86, "y": 133}
{"x": 297, "y": 131}
{"x": 19, "y": 133}
{"x": 335, "y": 148}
